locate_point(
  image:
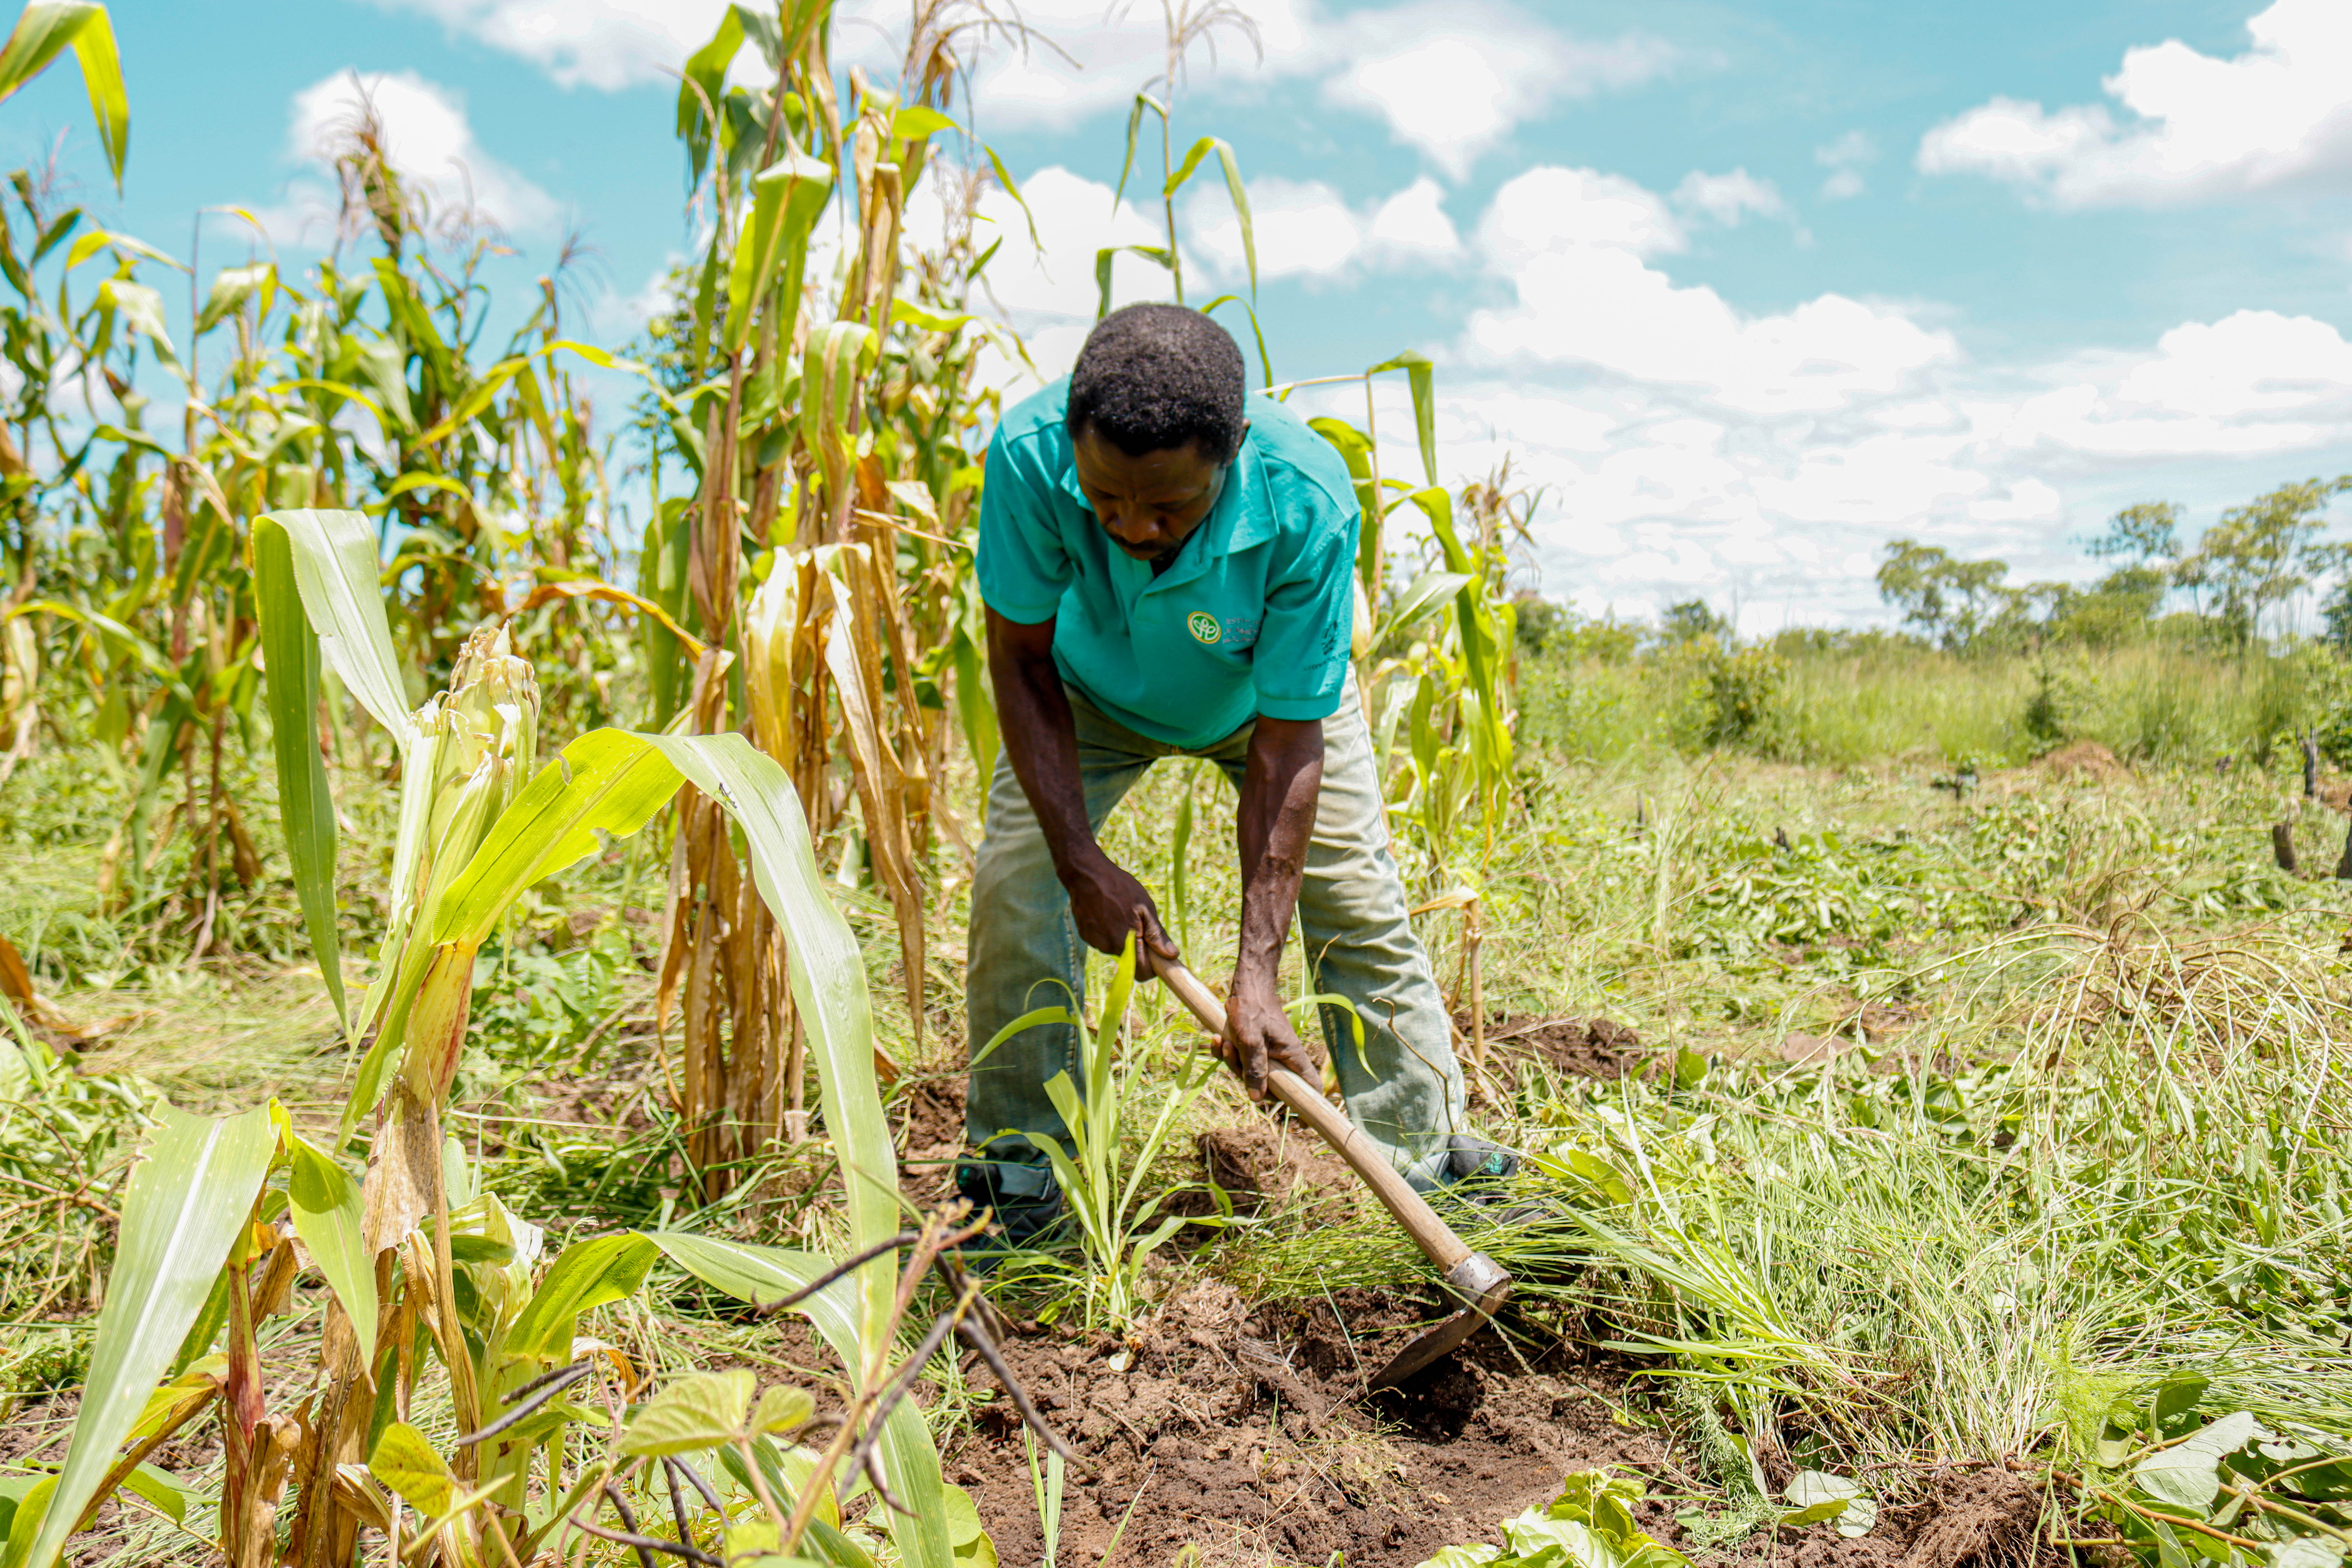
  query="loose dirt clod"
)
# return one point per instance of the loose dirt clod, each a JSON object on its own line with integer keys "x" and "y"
{"x": 2082, "y": 760}
{"x": 1237, "y": 1430}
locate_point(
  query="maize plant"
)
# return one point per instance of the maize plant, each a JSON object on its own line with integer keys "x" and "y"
{"x": 128, "y": 546}
{"x": 425, "y": 1266}
{"x": 1450, "y": 692}
{"x": 829, "y": 423}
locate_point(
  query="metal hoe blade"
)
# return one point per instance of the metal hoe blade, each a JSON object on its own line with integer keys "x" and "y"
{"x": 1481, "y": 1285}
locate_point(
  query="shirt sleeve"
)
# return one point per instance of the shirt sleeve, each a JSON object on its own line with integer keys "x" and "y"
{"x": 1022, "y": 564}
{"x": 1300, "y": 663}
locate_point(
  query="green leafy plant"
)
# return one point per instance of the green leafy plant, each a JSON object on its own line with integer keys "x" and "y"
{"x": 1100, "y": 1175}
{"x": 1588, "y": 1525}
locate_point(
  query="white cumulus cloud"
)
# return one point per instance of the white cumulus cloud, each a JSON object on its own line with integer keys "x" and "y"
{"x": 2194, "y": 126}
{"x": 1846, "y": 158}
{"x": 1576, "y": 246}
{"x": 606, "y": 44}
{"x": 1728, "y": 198}
{"x": 1763, "y": 458}
{"x": 1308, "y": 230}
{"x": 1453, "y": 79}
{"x": 1449, "y": 77}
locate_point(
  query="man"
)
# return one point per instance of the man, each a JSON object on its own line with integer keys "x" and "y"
{"x": 1167, "y": 573}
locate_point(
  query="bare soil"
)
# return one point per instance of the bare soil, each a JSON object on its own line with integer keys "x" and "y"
{"x": 1244, "y": 1432}
{"x": 2083, "y": 759}
{"x": 1586, "y": 1048}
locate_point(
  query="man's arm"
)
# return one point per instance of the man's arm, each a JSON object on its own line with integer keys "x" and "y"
{"x": 1041, "y": 739}
{"x": 1280, "y": 782}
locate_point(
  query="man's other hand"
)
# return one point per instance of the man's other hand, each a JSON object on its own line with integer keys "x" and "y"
{"x": 1258, "y": 1036}
{"x": 1107, "y": 904}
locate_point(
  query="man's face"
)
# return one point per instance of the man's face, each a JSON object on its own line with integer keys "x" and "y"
{"x": 1149, "y": 504}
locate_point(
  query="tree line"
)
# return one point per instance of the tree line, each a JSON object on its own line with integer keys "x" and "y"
{"x": 2244, "y": 569}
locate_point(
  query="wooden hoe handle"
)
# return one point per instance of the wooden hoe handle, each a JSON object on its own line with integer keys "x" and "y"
{"x": 1431, "y": 1234}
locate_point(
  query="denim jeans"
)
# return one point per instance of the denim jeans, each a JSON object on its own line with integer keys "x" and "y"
{"x": 1404, "y": 1090}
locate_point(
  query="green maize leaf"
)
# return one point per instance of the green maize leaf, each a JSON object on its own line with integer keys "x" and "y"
{"x": 290, "y": 650}
{"x": 337, "y": 570}
{"x": 46, "y": 27}
{"x": 383, "y": 364}
{"x": 662, "y": 562}
{"x": 706, "y": 69}
{"x": 1161, "y": 257}
{"x": 1355, "y": 450}
{"x": 141, "y": 310}
{"x": 417, "y": 480}
{"x": 903, "y": 310}
{"x": 910, "y": 1462}
{"x": 26, "y": 1498}
{"x": 786, "y": 198}
{"x": 1422, "y": 594}
{"x": 173, "y": 1403}
{"x": 518, "y": 369}
{"x": 976, "y": 708}
{"x": 1233, "y": 188}
{"x": 1143, "y": 100}
{"x": 1012, "y": 189}
{"x": 916, "y": 119}
{"x": 1264, "y": 360}
{"x": 606, "y": 781}
{"x": 828, "y": 978}
{"x": 475, "y": 403}
{"x": 1422, "y": 376}
{"x": 161, "y": 1488}
{"x": 762, "y": 27}
{"x": 588, "y": 1274}
{"x": 613, "y": 781}
{"x": 189, "y": 1199}
{"x": 232, "y": 287}
{"x": 698, "y": 1410}
{"x": 837, "y": 354}
{"x": 119, "y": 641}
{"x": 124, "y": 246}
{"x": 328, "y": 1218}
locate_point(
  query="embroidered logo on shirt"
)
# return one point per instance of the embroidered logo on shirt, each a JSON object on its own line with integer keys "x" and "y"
{"x": 1204, "y": 626}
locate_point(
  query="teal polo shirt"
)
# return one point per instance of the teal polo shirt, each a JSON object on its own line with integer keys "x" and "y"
{"x": 1253, "y": 617}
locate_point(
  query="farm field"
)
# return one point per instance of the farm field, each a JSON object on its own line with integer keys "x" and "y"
{"x": 485, "y": 889}
{"x": 1937, "y": 1143}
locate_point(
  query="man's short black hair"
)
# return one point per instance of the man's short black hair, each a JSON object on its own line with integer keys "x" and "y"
{"x": 1155, "y": 378}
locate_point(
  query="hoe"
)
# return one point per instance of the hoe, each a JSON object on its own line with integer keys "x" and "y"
{"x": 1475, "y": 1279}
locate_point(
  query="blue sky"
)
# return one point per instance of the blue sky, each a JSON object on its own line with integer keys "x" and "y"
{"x": 1748, "y": 290}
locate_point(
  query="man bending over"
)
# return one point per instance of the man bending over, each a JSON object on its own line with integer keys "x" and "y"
{"x": 1169, "y": 574}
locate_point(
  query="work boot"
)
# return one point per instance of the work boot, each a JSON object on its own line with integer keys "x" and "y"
{"x": 1478, "y": 1174}
{"x": 1024, "y": 1198}
{"x": 1468, "y": 1158}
